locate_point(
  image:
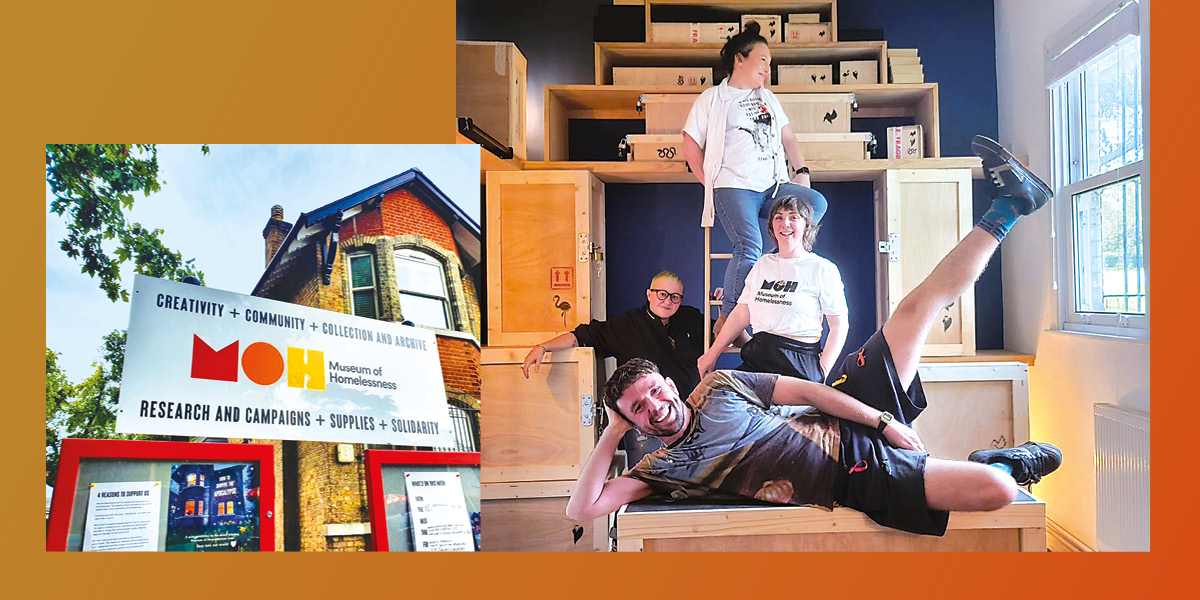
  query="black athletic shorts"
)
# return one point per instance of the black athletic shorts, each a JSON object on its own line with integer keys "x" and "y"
{"x": 885, "y": 482}
{"x": 770, "y": 353}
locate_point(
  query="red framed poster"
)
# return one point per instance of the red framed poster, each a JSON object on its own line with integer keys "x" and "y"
{"x": 163, "y": 496}
{"x": 416, "y": 503}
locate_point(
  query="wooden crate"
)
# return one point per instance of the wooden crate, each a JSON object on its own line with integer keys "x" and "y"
{"x": 973, "y": 406}
{"x": 815, "y": 146}
{"x": 920, "y": 214}
{"x": 804, "y": 18}
{"x": 667, "y": 113}
{"x": 857, "y": 72}
{"x": 545, "y": 241}
{"x": 770, "y": 26}
{"x": 663, "y": 76}
{"x": 808, "y": 33}
{"x": 805, "y": 75}
{"x": 540, "y": 429}
{"x": 647, "y": 526}
{"x": 905, "y": 142}
{"x": 490, "y": 89}
{"x": 693, "y": 33}
{"x": 531, "y": 517}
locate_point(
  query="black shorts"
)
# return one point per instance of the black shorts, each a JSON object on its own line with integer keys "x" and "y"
{"x": 770, "y": 353}
{"x": 885, "y": 482}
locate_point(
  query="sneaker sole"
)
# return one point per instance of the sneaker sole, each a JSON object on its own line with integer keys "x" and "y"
{"x": 989, "y": 145}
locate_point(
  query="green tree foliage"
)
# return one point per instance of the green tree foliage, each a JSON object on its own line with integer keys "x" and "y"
{"x": 93, "y": 186}
{"x": 58, "y": 394}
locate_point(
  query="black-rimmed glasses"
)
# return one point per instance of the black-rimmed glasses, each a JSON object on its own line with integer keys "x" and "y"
{"x": 664, "y": 294}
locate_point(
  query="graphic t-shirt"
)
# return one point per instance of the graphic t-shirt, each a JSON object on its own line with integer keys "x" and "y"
{"x": 751, "y": 143}
{"x": 788, "y": 296}
{"x": 739, "y": 443}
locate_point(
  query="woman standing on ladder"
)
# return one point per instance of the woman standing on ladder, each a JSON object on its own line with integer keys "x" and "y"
{"x": 735, "y": 141}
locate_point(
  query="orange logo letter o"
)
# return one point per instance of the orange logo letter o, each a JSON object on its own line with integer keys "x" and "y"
{"x": 262, "y": 363}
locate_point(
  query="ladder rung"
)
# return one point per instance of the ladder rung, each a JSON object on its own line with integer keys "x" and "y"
{"x": 714, "y": 302}
{"x": 721, "y": 256}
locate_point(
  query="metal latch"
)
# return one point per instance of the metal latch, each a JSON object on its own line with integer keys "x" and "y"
{"x": 585, "y": 247}
{"x": 891, "y": 247}
{"x": 586, "y": 409}
{"x": 640, "y": 103}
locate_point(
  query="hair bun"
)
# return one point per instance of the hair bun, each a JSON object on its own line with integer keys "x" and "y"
{"x": 752, "y": 28}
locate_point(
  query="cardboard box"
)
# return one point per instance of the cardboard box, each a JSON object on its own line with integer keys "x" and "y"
{"x": 906, "y": 142}
{"x": 808, "y": 33}
{"x": 663, "y": 76}
{"x": 770, "y": 26}
{"x": 693, "y": 33}
{"x": 805, "y": 75}
{"x": 852, "y": 72}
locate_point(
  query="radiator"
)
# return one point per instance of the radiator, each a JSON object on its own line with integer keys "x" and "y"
{"x": 1122, "y": 479}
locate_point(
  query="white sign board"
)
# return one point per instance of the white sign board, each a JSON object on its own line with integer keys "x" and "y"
{"x": 205, "y": 362}
{"x": 123, "y": 516}
{"x": 438, "y": 511}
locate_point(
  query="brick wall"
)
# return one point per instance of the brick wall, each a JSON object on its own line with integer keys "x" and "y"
{"x": 460, "y": 368}
{"x": 330, "y": 493}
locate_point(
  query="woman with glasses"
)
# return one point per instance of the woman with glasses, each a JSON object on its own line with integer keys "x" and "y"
{"x": 787, "y": 296}
{"x": 738, "y": 144}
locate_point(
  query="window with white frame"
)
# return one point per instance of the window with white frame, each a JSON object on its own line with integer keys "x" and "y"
{"x": 364, "y": 300}
{"x": 1096, "y": 81}
{"x": 421, "y": 280}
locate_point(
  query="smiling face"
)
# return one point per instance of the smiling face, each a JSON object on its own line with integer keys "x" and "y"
{"x": 664, "y": 308}
{"x": 787, "y": 227}
{"x": 754, "y": 70}
{"x": 654, "y": 407}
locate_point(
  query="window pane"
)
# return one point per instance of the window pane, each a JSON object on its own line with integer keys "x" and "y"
{"x": 1109, "y": 273}
{"x": 1113, "y": 108}
{"x": 364, "y": 303}
{"x": 420, "y": 310}
{"x": 416, "y": 275}
{"x": 360, "y": 272}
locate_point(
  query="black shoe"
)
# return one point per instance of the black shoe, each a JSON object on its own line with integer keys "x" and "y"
{"x": 1010, "y": 177}
{"x": 1030, "y": 462}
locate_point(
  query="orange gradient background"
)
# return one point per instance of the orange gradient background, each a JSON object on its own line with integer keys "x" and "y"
{"x": 383, "y": 72}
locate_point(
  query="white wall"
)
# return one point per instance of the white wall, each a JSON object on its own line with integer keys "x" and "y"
{"x": 1071, "y": 371}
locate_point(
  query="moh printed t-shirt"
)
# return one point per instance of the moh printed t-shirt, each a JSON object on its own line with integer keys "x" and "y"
{"x": 751, "y": 141}
{"x": 788, "y": 296}
{"x": 739, "y": 443}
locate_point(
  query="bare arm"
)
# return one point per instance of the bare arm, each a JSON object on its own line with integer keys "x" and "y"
{"x": 593, "y": 496}
{"x": 694, "y": 156}
{"x": 839, "y": 327}
{"x": 536, "y": 353}
{"x": 795, "y": 155}
{"x": 736, "y": 324}
{"x": 790, "y": 390}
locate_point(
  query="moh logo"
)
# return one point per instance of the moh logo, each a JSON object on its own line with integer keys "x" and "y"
{"x": 261, "y": 362}
{"x": 780, "y": 286}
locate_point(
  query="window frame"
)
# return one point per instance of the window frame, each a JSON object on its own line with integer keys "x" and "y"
{"x": 419, "y": 255}
{"x": 1067, "y": 160}
{"x": 374, "y": 287}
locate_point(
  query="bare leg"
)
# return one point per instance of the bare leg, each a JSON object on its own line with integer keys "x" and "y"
{"x": 958, "y": 485}
{"x": 907, "y": 328}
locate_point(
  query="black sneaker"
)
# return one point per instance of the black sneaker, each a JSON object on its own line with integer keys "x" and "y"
{"x": 1030, "y": 462}
{"x": 1010, "y": 177}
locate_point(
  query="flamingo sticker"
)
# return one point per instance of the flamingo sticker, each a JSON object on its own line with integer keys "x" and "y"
{"x": 562, "y": 305}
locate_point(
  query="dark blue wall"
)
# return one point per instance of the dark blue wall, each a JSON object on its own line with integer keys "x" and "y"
{"x": 654, "y": 227}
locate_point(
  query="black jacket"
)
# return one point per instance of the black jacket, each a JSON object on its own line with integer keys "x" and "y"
{"x": 638, "y": 333}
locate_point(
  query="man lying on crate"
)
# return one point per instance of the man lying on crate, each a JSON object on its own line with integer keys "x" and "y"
{"x": 754, "y": 435}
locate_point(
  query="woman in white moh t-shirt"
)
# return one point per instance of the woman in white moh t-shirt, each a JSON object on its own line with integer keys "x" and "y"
{"x": 785, "y": 299}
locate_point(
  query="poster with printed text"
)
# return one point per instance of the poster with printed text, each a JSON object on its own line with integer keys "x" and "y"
{"x": 438, "y": 509}
{"x": 123, "y": 516}
{"x": 206, "y": 362}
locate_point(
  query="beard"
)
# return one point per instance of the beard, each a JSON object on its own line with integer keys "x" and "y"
{"x": 672, "y": 422}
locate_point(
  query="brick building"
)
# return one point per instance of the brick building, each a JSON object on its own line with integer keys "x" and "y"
{"x": 399, "y": 250}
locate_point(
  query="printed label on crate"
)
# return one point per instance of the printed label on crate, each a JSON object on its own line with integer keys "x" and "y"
{"x": 905, "y": 142}
{"x": 206, "y": 362}
{"x": 562, "y": 278}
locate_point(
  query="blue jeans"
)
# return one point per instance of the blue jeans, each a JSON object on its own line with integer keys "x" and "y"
{"x": 743, "y": 214}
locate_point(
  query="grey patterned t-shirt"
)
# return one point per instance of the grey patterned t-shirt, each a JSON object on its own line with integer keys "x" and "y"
{"x": 739, "y": 443}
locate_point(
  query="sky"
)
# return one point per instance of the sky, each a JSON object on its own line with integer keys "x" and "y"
{"x": 213, "y": 208}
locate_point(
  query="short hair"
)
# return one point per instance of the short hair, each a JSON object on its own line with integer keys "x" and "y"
{"x": 625, "y": 376}
{"x": 802, "y": 208}
{"x": 669, "y": 275}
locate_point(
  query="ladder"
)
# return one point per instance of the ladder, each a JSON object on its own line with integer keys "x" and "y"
{"x": 709, "y": 257}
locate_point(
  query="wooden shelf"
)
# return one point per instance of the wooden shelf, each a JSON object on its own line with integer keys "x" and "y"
{"x": 663, "y": 54}
{"x": 983, "y": 356}
{"x": 566, "y": 102}
{"x": 676, "y": 172}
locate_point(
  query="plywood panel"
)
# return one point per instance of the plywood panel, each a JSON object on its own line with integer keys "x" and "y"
{"x": 538, "y": 525}
{"x": 491, "y": 88}
{"x": 964, "y": 416}
{"x": 978, "y": 540}
{"x": 537, "y": 240}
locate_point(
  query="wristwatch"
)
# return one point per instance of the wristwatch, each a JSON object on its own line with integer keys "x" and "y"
{"x": 802, "y": 170}
{"x": 884, "y": 418}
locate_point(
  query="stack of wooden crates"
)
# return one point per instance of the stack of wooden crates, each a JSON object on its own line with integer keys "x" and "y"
{"x": 545, "y": 240}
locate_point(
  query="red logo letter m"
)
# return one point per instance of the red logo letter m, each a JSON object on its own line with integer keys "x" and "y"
{"x": 220, "y": 365}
